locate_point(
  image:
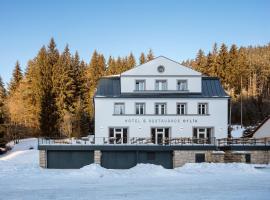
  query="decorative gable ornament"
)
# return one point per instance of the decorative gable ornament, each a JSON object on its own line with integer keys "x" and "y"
{"x": 161, "y": 68}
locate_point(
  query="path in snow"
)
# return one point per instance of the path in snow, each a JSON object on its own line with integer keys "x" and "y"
{"x": 22, "y": 178}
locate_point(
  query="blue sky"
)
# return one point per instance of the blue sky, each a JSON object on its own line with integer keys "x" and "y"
{"x": 173, "y": 28}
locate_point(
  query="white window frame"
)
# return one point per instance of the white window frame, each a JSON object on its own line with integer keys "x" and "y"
{"x": 121, "y": 131}
{"x": 161, "y": 85}
{"x": 159, "y": 106}
{"x": 140, "y": 87}
{"x": 120, "y": 111}
{"x": 180, "y": 109}
{"x": 140, "y": 105}
{"x": 203, "y": 108}
{"x": 178, "y": 85}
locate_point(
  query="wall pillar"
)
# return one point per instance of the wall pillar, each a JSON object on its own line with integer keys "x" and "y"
{"x": 97, "y": 157}
{"x": 43, "y": 158}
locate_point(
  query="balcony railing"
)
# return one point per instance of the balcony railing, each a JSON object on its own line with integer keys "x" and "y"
{"x": 127, "y": 141}
{"x": 244, "y": 141}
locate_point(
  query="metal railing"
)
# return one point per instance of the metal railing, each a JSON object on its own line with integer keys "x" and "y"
{"x": 243, "y": 141}
{"x": 127, "y": 141}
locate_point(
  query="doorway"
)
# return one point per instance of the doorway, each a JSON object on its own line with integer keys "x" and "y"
{"x": 203, "y": 135}
{"x": 118, "y": 135}
{"x": 160, "y": 135}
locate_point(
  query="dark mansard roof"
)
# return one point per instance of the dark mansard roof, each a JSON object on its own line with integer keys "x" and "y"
{"x": 110, "y": 87}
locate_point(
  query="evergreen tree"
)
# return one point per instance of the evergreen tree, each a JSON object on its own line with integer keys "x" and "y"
{"x": 232, "y": 68}
{"x": 222, "y": 63}
{"x": 49, "y": 117}
{"x": 16, "y": 78}
{"x": 131, "y": 61}
{"x": 95, "y": 71}
{"x": 142, "y": 59}
{"x": 150, "y": 55}
{"x": 66, "y": 83}
{"x": 112, "y": 67}
{"x": 2, "y": 100}
{"x": 200, "y": 62}
{"x": 210, "y": 69}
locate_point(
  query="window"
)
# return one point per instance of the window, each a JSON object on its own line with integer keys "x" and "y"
{"x": 182, "y": 85}
{"x": 140, "y": 85}
{"x": 181, "y": 109}
{"x": 140, "y": 108}
{"x": 118, "y": 135}
{"x": 119, "y": 108}
{"x": 160, "y": 135}
{"x": 161, "y": 68}
{"x": 161, "y": 85}
{"x": 203, "y": 135}
{"x": 202, "y": 108}
{"x": 160, "y": 109}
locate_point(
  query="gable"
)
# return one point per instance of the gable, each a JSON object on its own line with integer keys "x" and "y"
{"x": 262, "y": 130}
{"x": 170, "y": 68}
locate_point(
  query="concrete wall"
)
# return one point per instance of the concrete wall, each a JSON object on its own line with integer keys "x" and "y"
{"x": 140, "y": 125}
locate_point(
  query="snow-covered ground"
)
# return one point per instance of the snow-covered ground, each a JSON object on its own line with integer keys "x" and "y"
{"x": 22, "y": 178}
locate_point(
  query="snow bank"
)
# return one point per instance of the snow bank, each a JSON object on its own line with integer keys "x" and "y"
{"x": 217, "y": 168}
{"x": 151, "y": 171}
{"x": 139, "y": 171}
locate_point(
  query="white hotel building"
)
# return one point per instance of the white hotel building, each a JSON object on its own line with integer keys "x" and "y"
{"x": 159, "y": 100}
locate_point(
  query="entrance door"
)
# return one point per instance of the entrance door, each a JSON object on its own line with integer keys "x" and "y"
{"x": 160, "y": 135}
{"x": 202, "y": 135}
{"x": 117, "y": 135}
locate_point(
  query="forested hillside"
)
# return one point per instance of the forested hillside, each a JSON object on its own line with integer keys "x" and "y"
{"x": 53, "y": 97}
{"x": 243, "y": 71}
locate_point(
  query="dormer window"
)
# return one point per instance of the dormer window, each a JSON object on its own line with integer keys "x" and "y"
{"x": 140, "y": 85}
{"x": 161, "y": 85}
{"x": 182, "y": 85}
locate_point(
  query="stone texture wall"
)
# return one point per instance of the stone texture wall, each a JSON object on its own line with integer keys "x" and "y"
{"x": 97, "y": 157}
{"x": 216, "y": 157}
{"x": 231, "y": 156}
{"x": 182, "y": 157}
{"x": 259, "y": 157}
{"x": 42, "y": 158}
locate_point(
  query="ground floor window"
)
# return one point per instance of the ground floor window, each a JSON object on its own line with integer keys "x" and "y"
{"x": 118, "y": 135}
{"x": 160, "y": 135}
{"x": 202, "y": 134}
{"x": 199, "y": 157}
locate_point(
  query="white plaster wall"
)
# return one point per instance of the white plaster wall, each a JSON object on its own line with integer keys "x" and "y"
{"x": 171, "y": 68}
{"x": 139, "y": 125}
{"x": 128, "y": 82}
{"x": 263, "y": 131}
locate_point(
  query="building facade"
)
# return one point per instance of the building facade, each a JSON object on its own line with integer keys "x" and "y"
{"x": 157, "y": 102}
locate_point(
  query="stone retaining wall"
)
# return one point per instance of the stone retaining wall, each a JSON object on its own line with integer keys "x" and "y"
{"x": 256, "y": 157}
{"x": 42, "y": 158}
{"x": 97, "y": 157}
{"x": 231, "y": 156}
{"x": 259, "y": 157}
{"x": 182, "y": 157}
